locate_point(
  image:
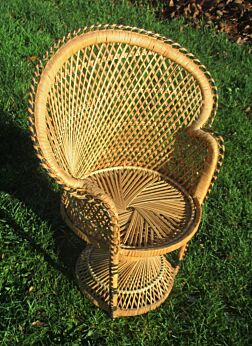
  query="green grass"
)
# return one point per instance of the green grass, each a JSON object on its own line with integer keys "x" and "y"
{"x": 211, "y": 302}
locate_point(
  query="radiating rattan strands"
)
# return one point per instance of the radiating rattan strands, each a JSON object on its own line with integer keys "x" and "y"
{"x": 127, "y": 110}
{"x": 152, "y": 211}
{"x": 143, "y": 283}
{"x": 174, "y": 49}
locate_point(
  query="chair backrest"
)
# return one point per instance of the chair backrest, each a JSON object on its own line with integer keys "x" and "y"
{"x": 113, "y": 96}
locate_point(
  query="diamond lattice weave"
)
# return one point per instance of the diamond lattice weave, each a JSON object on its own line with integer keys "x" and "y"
{"x": 120, "y": 88}
{"x": 143, "y": 283}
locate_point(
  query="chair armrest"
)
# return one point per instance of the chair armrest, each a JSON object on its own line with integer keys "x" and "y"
{"x": 91, "y": 203}
{"x": 220, "y": 157}
{"x": 195, "y": 161}
{"x": 99, "y": 208}
{"x": 90, "y": 188}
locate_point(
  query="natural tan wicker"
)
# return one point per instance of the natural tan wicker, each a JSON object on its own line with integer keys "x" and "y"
{"x": 117, "y": 119}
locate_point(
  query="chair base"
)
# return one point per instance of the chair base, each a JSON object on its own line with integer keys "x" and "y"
{"x": 144, "y": 283}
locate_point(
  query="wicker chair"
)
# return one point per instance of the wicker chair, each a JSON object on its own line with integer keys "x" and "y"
{"x": 117, "y": 117}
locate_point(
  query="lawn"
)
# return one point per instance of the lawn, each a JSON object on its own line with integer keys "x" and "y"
{"x": 211, "y": 301}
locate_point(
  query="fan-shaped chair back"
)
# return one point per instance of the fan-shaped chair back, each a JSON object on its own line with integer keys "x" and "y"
{"x": 116, "y": 97}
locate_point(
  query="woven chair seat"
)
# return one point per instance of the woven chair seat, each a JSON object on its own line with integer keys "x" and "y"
{"x": 155, "y": 213}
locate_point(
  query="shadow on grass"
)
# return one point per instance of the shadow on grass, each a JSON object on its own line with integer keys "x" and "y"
{"x": 22, "y": 178}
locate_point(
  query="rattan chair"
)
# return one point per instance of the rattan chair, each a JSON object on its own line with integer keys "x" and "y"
{"x": 118, "y": 117}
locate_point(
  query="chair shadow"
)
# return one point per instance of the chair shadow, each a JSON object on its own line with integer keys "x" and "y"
{"x": 22, "y": 177}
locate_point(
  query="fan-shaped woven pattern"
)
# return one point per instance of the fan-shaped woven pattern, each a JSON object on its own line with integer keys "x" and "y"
{"x": 153, "y": 211}
{"x": 115, "y": 96}
{"x": 142, "y": 283}
{"x": 113, "y": 104}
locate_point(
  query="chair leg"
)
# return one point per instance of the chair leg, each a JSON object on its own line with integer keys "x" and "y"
{"x": 113, "y": 278}
{"x": 182, "y": 251}
{"x": 181, "y": 255}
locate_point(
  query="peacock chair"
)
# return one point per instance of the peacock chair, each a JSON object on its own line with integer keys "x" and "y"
{"x": 118, "y": 118}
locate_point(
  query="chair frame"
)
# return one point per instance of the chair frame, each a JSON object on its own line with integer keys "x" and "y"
{"x": 84, "y": 188}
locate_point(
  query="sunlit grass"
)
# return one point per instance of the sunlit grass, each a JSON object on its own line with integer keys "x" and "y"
{"x": 210, "y": 303}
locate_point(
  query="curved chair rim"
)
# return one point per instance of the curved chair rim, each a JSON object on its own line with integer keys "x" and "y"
{"x": 82, "y": 38}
